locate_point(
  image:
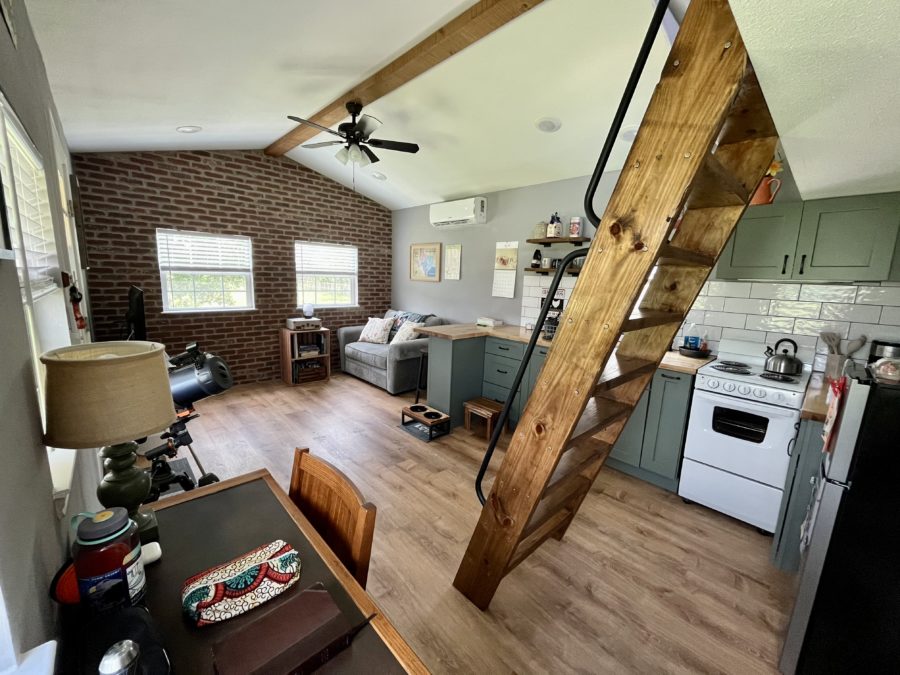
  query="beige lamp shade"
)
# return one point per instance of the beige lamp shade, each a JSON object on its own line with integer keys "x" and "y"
{"x": 105, "y": 393}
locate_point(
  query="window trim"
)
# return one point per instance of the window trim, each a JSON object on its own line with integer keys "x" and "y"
{"x": 164, "y": 269}
{"x": 354, "y": 286}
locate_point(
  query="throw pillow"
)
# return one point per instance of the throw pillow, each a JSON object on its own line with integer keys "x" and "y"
{"x": 377, "y": 330}
{"x": 408, "y": 331}
{"x": 402, "y": 317}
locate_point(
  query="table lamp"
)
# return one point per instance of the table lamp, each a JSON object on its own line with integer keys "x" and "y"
{"x": 109, "y": 394}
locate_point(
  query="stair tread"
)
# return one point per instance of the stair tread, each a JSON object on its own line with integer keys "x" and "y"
{"x": 715, "y": 185}
{"x": 572, "y": 482}
{"x": 673, "y": 255}
{"x": 622, "y": 369}
{"x": 599, "y": 413}
{"x": 538, "y": 536}
{"x": 647, "y": 318}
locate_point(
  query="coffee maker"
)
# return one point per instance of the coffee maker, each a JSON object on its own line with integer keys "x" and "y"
{"x": 882, "y": 349}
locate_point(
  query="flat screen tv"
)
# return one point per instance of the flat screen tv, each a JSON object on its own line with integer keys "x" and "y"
{"x": 136, "y": 326}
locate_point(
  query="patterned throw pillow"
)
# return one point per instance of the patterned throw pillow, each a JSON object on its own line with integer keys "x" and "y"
{"x": 377, "y": 330}
{"x": 235, "y": 587}
{"x": 408, "y": 331}
{"x": 402, "y": 317}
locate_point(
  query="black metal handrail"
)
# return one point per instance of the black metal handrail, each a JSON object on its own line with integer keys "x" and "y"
{"x": 641, "y": 61}
{"x": 520, "y": 373}
{"x": 655, "y": 22}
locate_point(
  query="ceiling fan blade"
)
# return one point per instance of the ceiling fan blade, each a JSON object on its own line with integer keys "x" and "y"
{"x": 367, "y": 125}
{"x": 371, "y": 155}
{"x": 393, "y": 145}
{"x": 314, "y": 124}
{"x": 323, "y": 144}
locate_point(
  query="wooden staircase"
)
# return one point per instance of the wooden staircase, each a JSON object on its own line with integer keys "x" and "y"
{"x": 705, "y": 142}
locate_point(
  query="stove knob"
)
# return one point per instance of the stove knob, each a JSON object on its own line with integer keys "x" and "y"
{"x": 759, "y": 393}
{"x": 744, "y": 389}
{"x": 712, "y": 384}
{"x": 728, "y": 386}
{"x": 779, "y": 396}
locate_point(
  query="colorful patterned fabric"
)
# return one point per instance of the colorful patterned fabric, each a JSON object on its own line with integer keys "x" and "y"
{"x": 401, "y": 318}
{"x": 236, "y": 587}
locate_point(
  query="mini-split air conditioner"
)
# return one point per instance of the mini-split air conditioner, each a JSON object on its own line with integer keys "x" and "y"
{"x": 459, "y": 213}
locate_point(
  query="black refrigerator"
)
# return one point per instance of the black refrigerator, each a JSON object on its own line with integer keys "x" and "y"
{"x": 846, "y": 618}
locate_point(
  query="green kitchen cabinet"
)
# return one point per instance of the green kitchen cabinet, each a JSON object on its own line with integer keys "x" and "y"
{"x": 651, "y": 445}
{"x": 763, "y": 244}
{"x": 799, "y": 486}
{"x": 534, "y": 370}
{"x": 455, "y": 374}
{"x": 847, "y": 239}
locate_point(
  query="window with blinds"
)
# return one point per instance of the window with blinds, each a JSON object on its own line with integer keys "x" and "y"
{"x": 27, "y": 209}
{"x": 205, "y": 272}
{"x": 326, "y": 274}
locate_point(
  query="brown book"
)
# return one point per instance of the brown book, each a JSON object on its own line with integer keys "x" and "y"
{"x": 296, "y": 637}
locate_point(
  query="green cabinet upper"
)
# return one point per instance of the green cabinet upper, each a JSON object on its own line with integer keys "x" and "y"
{"x": 842, "y": 239}
{"x": 651, "y": 445}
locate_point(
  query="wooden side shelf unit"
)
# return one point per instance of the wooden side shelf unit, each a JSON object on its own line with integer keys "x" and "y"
{"x": 305, "y": 355}
{"x": 549, "y": 241}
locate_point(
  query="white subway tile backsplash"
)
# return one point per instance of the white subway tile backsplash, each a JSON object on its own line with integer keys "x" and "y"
{"x": 874, "y": 331}
{"x": 890, "y": 315}
{"x": 775, "y": 291}
{"x": 807, "y": 310}
{"x": 814, "y": 327}
{"x": 819, "y": 363}
{"x": 879, "y": 295}
{"x": 803, "y": 341}
{"x": 710, "y": 302}
{"x": 730, "y": 289}
{"x": 742, "y": 334}
{"x": 724, "y": 319}
{"x": 769, "y": 323}
{"x": 845, "y": 312}
{"x": 746, "y": 306}
{"x": 828, "y": 293}
{"x": 704, "y": 289}
{"x": 531, "y": 302}
{"x": 694, "y": 316}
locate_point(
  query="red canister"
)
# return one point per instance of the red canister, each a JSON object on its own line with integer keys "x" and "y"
{"x": 108, "y": 565}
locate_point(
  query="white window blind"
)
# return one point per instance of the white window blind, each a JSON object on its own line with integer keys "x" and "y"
{"x": 28, "y": 208}
{"x": 326, "y": 274}
{"x": 202, "y": 271}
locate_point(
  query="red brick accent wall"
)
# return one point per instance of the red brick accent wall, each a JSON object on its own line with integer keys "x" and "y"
{"x": 127, "y": 196}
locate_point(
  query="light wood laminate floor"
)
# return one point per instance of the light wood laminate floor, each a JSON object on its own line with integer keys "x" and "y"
{"x": 641, "y": 583}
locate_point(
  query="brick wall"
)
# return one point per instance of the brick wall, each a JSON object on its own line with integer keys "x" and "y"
{"x": 126, "y": 196}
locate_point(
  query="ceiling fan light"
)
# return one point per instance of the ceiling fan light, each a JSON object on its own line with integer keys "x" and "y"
{"x": 355, "y": 154}
{"x": 364, "y": 159}
{"x": 342, "y": 155}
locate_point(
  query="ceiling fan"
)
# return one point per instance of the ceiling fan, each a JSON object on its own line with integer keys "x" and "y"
{"x": 356, "y": 138}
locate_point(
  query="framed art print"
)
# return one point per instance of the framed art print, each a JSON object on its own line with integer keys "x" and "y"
{"x": 425, "y": 262}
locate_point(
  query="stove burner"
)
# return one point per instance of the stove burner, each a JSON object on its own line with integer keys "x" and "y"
{"x": 777, "y": 377}
{"x": 725, "y": 367}
{"x": 734, "y": 364}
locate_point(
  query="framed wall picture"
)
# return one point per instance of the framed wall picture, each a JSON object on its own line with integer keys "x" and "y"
{"x": 452, "y": 262}
{"x": 425, "y": 262}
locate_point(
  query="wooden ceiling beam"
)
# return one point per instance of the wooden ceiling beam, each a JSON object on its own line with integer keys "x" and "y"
{"x": 482, "y": 19}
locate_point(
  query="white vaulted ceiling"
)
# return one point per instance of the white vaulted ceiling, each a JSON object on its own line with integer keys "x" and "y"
{"x": 125, "y": 73}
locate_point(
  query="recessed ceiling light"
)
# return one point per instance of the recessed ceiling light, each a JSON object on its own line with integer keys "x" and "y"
{"x": 188, "y": 129}
{"x": 629, "y": 133}
{"x": 548, "y": 124}
{"x": 377, "y": 175}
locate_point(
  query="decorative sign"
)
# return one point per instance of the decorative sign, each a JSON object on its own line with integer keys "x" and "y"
{"x": 452, "y": 262}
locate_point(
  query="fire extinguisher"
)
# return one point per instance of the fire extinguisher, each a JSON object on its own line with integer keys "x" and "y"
{"x": 75, "y": 297}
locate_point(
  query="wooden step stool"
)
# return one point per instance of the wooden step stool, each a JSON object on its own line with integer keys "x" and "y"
{"x": 486, "y": 408}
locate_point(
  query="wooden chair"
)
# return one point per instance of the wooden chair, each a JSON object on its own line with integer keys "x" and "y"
{"x": 336, "y": 508}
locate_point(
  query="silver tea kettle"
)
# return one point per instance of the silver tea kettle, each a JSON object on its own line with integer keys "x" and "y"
{"x": 784, "y": 363}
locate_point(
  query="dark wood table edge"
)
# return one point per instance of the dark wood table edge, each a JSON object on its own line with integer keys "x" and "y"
{"x": 382, "y": 625}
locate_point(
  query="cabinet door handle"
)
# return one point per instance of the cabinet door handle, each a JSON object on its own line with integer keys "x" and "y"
{"x": 802, "y": 262}
{"x": 505, "y": 349}
{"x": 784, "y": 264}
{"x": 505, "y": 372}
{"x": 670, "y": 377}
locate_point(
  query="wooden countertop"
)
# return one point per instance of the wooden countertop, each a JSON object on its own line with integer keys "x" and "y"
{"x": 464, "y": 331}
{"x": 815, "y": 403}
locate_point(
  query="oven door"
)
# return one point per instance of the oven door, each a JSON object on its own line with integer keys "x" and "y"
{"x": 742, "y": 437}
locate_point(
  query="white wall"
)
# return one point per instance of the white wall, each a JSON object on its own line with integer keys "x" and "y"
{"x": 31, "y": 535}
{"x": 512, "y": 215}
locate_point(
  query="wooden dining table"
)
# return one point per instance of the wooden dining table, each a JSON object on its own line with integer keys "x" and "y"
{"x": 213, "y": 524}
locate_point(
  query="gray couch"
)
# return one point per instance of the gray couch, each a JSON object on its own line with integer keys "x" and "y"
{"x": 391, "y": 367}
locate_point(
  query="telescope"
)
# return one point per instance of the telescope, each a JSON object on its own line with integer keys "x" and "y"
{"x": 193, "y": 375}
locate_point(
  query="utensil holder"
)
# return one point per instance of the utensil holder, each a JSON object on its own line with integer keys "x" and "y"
{"x": 834, "y": 366}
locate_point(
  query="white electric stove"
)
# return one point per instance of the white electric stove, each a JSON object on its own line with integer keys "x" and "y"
{"x": 741, "y": 433}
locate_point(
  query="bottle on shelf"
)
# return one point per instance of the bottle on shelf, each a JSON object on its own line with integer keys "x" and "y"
{"x": 692, "y": 337}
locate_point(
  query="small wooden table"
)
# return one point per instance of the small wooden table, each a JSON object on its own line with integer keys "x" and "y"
{"x": 213, "y": 524}
{"x": 486, "y": 408}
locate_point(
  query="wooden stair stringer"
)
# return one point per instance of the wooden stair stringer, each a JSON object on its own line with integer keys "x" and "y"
{"x": 701, "y": 80}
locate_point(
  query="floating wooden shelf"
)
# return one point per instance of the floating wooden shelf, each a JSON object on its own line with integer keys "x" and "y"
{"x": 549, "y": 241}
{"x": 572, "y": 269}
